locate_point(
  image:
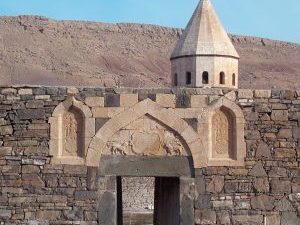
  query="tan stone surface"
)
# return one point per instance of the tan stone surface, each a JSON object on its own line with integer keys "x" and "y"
{"x": 203, "y": 38}
{"x": 166, "y": 100}
{"x": 198, "y": 101}
{"x": 128, "y": 100}
{"x": 71, "y": 130}
{"x": 95, "y": 101}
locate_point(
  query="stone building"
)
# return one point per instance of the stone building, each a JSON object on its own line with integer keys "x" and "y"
{"x": 204, "y": 55}
{"x": 215, "y": 156}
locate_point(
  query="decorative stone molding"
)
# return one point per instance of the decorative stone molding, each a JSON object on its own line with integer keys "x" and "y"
{"x": 71, "y": 130}
{"x": 165, "y": 122}
{"x": 221, "y": 127}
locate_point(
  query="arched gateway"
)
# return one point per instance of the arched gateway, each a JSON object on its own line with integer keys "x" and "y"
{"x": 147, "y": 140}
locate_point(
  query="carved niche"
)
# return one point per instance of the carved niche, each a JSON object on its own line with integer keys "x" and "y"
{"x": 222, "y": 134}
{"x": 71, "y": 130}
{"x": 146, "y": 137}
{"x": 73, "y": 133}
{"x": 221, "y": 126}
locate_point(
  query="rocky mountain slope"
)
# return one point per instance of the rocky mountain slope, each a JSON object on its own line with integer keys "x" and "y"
{"x": 37, "y": 50}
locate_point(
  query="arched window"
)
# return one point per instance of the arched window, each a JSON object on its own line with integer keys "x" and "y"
{"x": 233, "y": 79}
{"x": 205, "y": 77}
{"x": 222, "y": 78}
{"x": 175, "y": 79}
{"x": 188, "y": 78}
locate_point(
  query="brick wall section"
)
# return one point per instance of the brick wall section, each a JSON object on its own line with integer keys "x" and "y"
{"x": 267, "y": 189}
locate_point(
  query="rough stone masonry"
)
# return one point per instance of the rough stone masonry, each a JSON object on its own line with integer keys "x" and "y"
{"x": 266, "y": 190}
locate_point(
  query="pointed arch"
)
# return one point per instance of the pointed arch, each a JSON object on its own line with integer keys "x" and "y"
{"x": 71, "y": 130}
{"x": 230, "y": 127}
{"x": 163, "y": 115}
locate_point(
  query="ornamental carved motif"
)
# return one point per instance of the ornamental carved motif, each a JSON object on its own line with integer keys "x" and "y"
{"x": 73, "y": 133}
{"x": 145, "y": 137}
{"x": 222, "y": 133}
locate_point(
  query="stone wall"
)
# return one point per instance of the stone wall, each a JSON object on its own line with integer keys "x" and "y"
{"x": 264, "y": 191}
{"x": 138, "y": 194}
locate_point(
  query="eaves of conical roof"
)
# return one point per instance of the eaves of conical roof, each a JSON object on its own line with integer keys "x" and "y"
{"x": 204, "y": 35}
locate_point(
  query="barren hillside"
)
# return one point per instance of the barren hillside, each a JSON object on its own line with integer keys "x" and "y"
{"x": 37, "y": 50}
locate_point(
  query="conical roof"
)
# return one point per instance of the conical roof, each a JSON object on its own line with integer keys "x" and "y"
{"x": 204, "y": 35}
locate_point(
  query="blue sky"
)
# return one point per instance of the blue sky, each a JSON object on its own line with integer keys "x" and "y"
{"x": 275, "y": 19}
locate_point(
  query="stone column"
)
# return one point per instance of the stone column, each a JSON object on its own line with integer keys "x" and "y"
{"x": 187, "y": 195}
{"x": 108, "y": 200}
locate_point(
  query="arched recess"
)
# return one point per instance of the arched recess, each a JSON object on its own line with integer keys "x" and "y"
{"x": 221, "y": 126}
{"x": 71, "y": 130}
{"x": 165, "y": 116}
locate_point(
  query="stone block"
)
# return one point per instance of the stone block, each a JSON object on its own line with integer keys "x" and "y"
{"x": 6, "y": 130}
{"x": 203, "y": 202}
{"x": 281, "y": 187}
{"x": 252, "y": 135}
{"x": 223, "y": 218}
{"x": 290, "y": 218}
{"x": 284, "y": 153}
{"x": 42, "y": 97}
{"x": 48, "y": 215}
{"x": 216, "y": 185}
{"x": 166, "y": 100}
{"x": 285, "y": 133}
{"x": 263, "y": 151}
{"x": 296, "y": 132}
{"x": 72, "y": 90}
{"x": 200, "y": 185}
{"x": 25, "y": 114}
{"x": 287, "y": 94}
{"x": 112, "y": 100}
{"x": 258, "y": 170}
{"x": 34, "y": 104}
{"x": 278, "y": 172}
{"x": 262, "y": 93}
{"x": 5, "y": 151}
{"x": 85, "y": 195}
{"x": 94, "y": 101}
{"x": 273, "y": 219}
{"x": 206, "y": 217}
{"x": 128, "y": 100}
{"x": 183, "y": 100}
{"x": 280, "y": 115}
{"x": 284, "y": 205}
{"x": 5, "y": 214}
{"x": 30, "y": 169}
{"x": 32, "y": 180}
{"x": 245, "y": 94}
{"x": 247, "y": 219}
{"x": 23, "y": 91}
{"x": 231, "y": 96}
{"x": 262, "y": 202}
{"x": 223, "y": 204}
{"x": 261, "y": 185}
{"x": 198, "y": 101}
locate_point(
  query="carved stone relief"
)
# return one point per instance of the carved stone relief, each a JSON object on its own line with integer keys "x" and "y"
{"x": 71, "y": 130}
{"x": 145, "y": 137}
{"x": 73, "y": 133}
{"x": 222, "y": 134}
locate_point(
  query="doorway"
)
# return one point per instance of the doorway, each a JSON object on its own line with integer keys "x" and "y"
{"x": 172, "y": 182}
{"x": 148, "y": 200}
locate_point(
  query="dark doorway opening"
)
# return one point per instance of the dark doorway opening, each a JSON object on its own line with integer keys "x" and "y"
{"x": 148, "y": 201}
